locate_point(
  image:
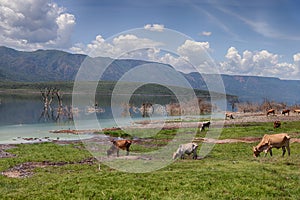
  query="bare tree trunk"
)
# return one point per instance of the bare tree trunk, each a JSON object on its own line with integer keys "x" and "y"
{"x": 47, "y": 100}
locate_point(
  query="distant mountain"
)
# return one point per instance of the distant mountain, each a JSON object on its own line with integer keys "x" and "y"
{"x": 54, "y": 65}
{"x": 254, "y": 88}
{"x": 40, "y": 65}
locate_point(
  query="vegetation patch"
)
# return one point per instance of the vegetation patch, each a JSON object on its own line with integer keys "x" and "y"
{"x": 229, "y": 171}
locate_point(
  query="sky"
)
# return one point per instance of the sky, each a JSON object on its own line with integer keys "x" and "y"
{"x": 259, "y": 37}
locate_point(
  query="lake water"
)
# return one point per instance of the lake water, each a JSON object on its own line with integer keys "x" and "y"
{"x": 22, "y": 118}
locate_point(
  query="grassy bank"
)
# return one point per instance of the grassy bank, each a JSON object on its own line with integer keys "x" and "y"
{"x": 228, "y": 172}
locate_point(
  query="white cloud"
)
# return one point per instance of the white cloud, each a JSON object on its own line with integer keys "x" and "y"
{"x": 33, "y": 24}
{"x": 197, "y": 54}
{"x": 206, "y": 33}
{"x": 296, "y": 57}
{"x": 125, "y": 46}
{"x": 259, "y": 63}
{"x": 154, "y": 27}
{"x": 130, "y": 46}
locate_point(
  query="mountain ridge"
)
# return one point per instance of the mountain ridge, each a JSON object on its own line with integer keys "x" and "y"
{"x": 56, "y": 65}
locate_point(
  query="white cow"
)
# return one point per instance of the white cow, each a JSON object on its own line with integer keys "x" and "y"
{"x": 187, "y": 148}
{"x": 204, "y": 125}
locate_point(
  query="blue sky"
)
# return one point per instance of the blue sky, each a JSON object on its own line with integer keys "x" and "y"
{"x": 260, "y": 37}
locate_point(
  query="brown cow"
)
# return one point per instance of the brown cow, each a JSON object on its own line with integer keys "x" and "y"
{"x": 229, "y": 115}
{"x": 271, "y": 111}
{"x": 277, "y": 124}
{"x": 268, "y": 142}
{"x": 117, "y": 145}
{"x": 286, "y": 111}
{"x": 297, "y": 111}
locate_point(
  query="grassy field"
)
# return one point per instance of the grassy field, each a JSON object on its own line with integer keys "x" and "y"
{"x": 228, "y": 172}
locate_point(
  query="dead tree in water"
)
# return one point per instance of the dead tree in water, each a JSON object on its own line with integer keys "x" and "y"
{"x": 146, "y": 109}
{"x": 47, "y": 98}
{"x": 60, "y": 110}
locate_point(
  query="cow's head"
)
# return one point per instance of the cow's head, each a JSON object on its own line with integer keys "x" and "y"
{"x": 256, "y": 152}
{"x": 111, "y": 150}
{"x": 175, "y": 155}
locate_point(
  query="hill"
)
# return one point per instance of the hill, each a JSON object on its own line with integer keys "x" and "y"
{"x": 54, "y": 65}
{"x": 254, "y": 88}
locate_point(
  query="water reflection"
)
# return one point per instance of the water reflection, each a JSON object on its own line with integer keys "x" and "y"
{"x": 35, "y": 115}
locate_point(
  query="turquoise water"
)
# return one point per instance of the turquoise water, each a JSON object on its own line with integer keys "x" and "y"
{"x": 15, "y": 134}
{"x": 22, "y": 121}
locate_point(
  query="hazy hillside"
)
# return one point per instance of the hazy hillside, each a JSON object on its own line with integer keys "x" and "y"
{"x": 54, "y": 65}
{"x": 40, "y": 65}
{"x": 255, "y": 88}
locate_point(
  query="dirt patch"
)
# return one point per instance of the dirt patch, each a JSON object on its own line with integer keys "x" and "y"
{"x": 27, "y": 169}
{"x": 226, "y": 141}
{"x": 241, "y": 118}
{"x": 3, "y": 153}
{"x": 244, "y": 140}
{"x": 297, "y": 140}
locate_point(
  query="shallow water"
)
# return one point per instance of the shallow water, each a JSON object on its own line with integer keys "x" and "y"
{"x": 14, "y": 134}
{"x": 22, "y": 120}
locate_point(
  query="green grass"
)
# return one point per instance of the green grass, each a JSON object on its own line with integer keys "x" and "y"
{"x": 259, "y": 129}
{"x": 228, "y": 172}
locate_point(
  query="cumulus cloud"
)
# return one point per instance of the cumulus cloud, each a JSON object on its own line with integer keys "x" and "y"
{"x": 191, "y": 56}
{"x": 33, "y": 24}
{"x": 187, "y": 57}
{"x": 154, "y": 27}
{"x": 259, "y": 63}
{"x": 197, "y": 54}
{"x": 127, "y": 45}
{"x": 296, "y": 57}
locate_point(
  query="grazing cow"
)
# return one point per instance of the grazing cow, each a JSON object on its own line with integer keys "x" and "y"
{"x": 286, "y": 111}
{"x": 117, "y": 145}
{"x": 204, "y": 125}
{"x": 297, "y": 111}
{"x": 229, "y": 115}
{"x": 271, "y": 111}
{"x": 187, "y": 148}
{"x": 270, "y": 141}
{"x": 277, "y": 124}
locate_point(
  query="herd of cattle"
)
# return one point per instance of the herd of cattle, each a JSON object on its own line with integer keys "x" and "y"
{"x": 283, "y": 112}
{"x": 266, "y": 144}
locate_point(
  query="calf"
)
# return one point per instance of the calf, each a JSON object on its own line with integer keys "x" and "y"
{"x": 271, "y": 111}
{"x": 270, "y": 141}
{"x": 286, "y": 111}
{"x": 204, "y": 125}
{"x": 117, "y": 145}
{"x": 277, "y": 124}
{"x": 187, "y": 148}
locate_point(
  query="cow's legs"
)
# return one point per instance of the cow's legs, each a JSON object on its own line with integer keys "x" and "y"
{"x": 127, "y": 151}
{"x": 271, "y": 153}
{"x": 269, "y": 149}
{"x": 283, "y": 151}
{"x": 118, "y": 152}
{"x": 195, "y": 155}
